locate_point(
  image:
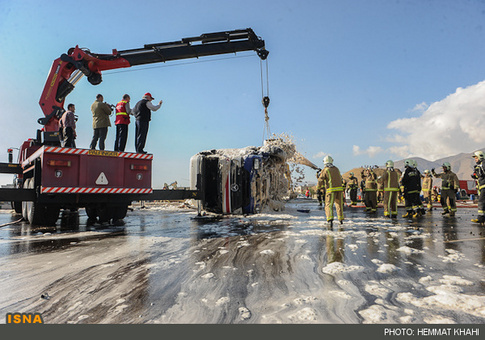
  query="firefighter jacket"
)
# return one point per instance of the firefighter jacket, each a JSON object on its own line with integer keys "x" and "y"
{"x": 390, "y": 180}
{"x": 449, "y": 180}
{"x": 427, "y": 184}
{"x": 330, "y": 179}
{"x": 370, "y": 181}
{"x": 122, "y": 113}
{"x": 101, "y": 112}
{"x": 480, "y": 175}
{"x": 411, "y": 181}
{"x": 353, "y": 183}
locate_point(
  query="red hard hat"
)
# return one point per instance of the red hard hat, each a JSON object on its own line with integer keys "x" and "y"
{"x": 148, "y": 94}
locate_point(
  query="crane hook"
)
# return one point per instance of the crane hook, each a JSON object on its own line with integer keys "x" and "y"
{"x": 265, "y": 102}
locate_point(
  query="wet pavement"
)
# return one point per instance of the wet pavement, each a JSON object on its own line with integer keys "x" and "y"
{"x": 163, "y": 266}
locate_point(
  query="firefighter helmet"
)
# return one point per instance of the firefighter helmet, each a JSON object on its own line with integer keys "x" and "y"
{"x": 426, "y": 171}
{"x": 390, "y": 164}
{"x": 328, "y": 160}
{"x": 447, "y": 166}
{"x": 351, "y": 174}
{"x": 479, "y": 154}
{"x": 408, "y": 162}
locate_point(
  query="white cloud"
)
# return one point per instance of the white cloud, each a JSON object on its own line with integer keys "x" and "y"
{"x": 371, "y": 151}
{"x": 447, "y": 127}
{"x": 421, "y": 107}
{"x": 320, "y": 154}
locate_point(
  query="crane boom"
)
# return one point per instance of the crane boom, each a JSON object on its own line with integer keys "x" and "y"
{"x": 68, "y": 69}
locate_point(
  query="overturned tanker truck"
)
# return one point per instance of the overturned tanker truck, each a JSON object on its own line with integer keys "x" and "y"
{"x": 49, "y": 177}
{"x": 247, "y": 180}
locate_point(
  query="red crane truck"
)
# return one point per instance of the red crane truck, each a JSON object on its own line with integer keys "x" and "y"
{"x": 50, "y": 177}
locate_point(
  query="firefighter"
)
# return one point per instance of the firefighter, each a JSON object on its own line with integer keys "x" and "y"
{"x": 122, "y": 120}
{"x": 380, "y": 189}
{"x": 390, "y": 183}
{"x": 370, "y": 191}
{"x": 419, "y": 203}
{"x": 436, "y": 194}
{"x": 320, "y": 193}
{"x": 331, "y": 180}
{"x": 449, "y": 188}
{"x": 428, "y": 189}
{"x": 411, "y": 188}
{"x": 479, "y": 176}
{"x": 353, "y": 185}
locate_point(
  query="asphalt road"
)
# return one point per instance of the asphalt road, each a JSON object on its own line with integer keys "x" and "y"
{"x": 163, "y": 266}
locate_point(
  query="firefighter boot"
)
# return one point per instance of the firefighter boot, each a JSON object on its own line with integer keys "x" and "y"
{"x": 480, "y": 219}
{"x": 408, "y": 213}
{"x": 445, "y": 212}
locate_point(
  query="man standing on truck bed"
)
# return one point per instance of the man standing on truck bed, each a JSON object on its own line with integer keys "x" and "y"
{"x": 122, "y": 121}
{"x": 68, "y": 123}
{"x": 143, "y": 115}
{"x": 101, "y": 112}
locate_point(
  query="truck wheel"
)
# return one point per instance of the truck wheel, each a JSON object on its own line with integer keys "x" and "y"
{"x": 36, "y": 213}
{"x": 24, "y": 203}
{"x": 51, "y": 214}
{"x": 119, "y": 212}
{"x": 17, "y": 206}
{"x": 92, "y": 215}
{"x": 105, "y": 214}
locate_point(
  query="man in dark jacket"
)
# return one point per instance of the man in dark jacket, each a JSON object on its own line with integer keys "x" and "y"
{"x": 479, "y": 176}
{"x": 411, "y": 188}
{"x": 143, "y": 115}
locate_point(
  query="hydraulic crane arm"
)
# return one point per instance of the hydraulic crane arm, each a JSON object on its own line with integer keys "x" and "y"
{"x": 69, "y": 68}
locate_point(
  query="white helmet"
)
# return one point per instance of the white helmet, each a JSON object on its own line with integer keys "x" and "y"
{"x": 390, "y": 164}
{"x": 328, "y": 160}
{"x": 426, "y": 171}
{"x": 408, "y": 162}
{"x": 479, "y": 154}
{"x": 415, "y": 164}
{"x": 447, "y": 165}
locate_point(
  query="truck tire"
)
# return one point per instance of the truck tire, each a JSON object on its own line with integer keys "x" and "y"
{"x": 17, "y": 206}
{"x": 24, "y": 203}
{"x": 92, "y": 215}
{"x": 119, "y": 211}
{"x": 36, "y": 213}
{"x": 105, "y": 214}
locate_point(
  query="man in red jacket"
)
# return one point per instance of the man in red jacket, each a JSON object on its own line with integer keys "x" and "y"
{"x": 122, "y": 121}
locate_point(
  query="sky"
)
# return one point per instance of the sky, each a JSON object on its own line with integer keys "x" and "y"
{"x": 361, "y": 80}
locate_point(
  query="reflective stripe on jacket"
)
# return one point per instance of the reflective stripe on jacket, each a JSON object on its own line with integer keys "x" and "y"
{"x": 390, "y": 179}
{"x": 331, "y": 179}
{"x": 121, "y": 116}
{"x": 449, "y": 180}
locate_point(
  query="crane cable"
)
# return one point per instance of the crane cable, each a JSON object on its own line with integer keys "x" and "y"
{"x": 265, "y": 100}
